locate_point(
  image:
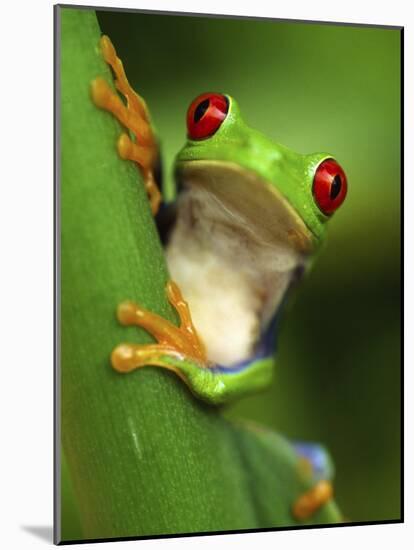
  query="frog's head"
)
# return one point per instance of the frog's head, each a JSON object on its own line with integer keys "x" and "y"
{"x": 280, "y": 194}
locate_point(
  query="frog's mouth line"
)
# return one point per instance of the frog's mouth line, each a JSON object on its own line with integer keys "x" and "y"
{"x": 234, "y": 257}
{"x": 247, "y": 195}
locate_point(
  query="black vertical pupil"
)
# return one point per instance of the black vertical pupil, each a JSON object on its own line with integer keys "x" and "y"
{"x": 335, "y": 187}
{"x": 201, "y": 109}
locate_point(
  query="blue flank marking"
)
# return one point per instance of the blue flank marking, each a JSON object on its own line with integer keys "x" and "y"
{"x": 316, "y": 456}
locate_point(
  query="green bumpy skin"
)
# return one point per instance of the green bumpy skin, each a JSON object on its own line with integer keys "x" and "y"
{"x": 217, "y": 387}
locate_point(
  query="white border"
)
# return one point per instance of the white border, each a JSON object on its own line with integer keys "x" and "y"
{"x": 26, "y": 268}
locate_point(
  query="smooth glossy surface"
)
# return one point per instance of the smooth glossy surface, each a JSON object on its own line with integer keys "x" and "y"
{"x": 329, "y": 186}
{"x": 205, "y": 115}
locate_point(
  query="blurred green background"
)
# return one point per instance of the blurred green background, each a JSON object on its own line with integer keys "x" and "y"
{"x": 312, "y": 87}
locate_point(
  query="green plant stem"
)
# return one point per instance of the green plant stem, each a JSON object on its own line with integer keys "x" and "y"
{"x": 145, "y": 457}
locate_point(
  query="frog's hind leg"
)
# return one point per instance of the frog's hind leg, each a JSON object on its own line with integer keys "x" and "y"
{"x": 314, "y": 463}
{"x": 134, "y": 116}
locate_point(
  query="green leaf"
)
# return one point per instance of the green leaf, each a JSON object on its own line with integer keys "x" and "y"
{"x": 144, "y": 456}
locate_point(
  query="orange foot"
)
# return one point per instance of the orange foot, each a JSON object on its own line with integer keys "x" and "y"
{"x": 174, "y": 343}
{"x": 134, "y": 116}
{"x": 310, "y": 502}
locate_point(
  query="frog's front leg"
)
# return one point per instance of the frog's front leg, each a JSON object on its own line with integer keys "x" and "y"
{"x": 173, "y": 342}
{"x": 181, "y": 350}
{"x": 134, "y": 116}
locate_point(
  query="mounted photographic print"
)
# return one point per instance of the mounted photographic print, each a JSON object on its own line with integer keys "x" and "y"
{"x": 228, "y": 254}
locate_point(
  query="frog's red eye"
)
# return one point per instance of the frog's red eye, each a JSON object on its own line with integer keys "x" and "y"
{"x": 205, "y": 115}
{"x": 329, "y": 186}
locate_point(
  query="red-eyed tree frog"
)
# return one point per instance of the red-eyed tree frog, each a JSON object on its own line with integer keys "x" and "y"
{"x": 248, "y": 217}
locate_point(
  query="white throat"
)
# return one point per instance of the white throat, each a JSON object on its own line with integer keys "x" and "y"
{"x": 232, "y": 281}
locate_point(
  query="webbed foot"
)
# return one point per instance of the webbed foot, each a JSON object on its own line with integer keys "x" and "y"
{"x": 134, "y": 116}
{"x": 175, "y": 345}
